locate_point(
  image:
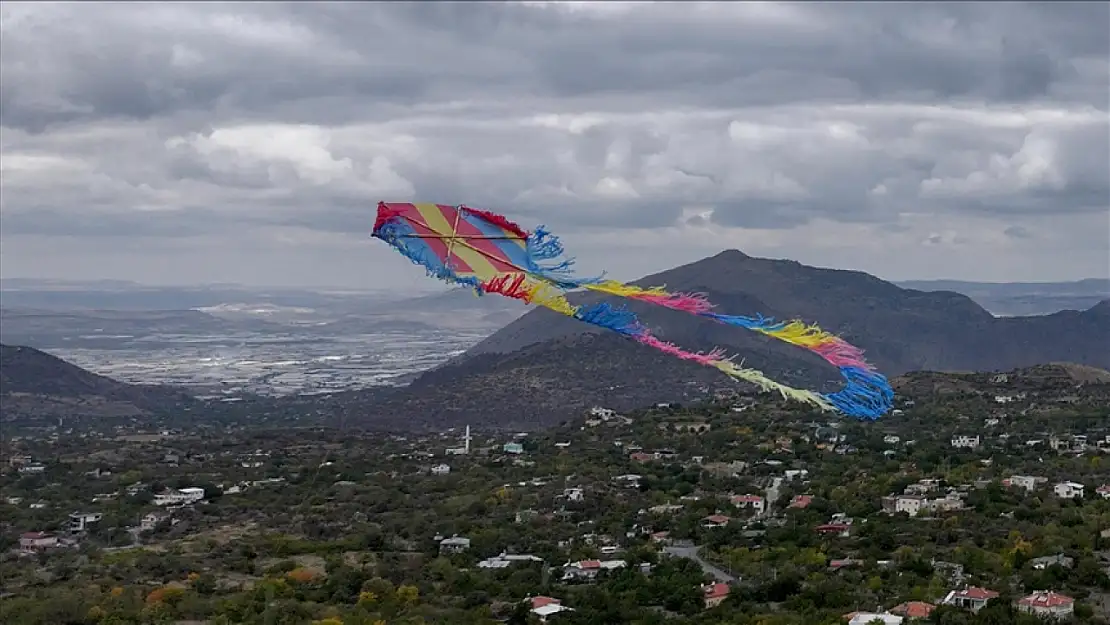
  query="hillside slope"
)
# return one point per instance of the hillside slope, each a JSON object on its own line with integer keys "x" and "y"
{"x": 36, "y": 384}
{"x": 544, "y": 366}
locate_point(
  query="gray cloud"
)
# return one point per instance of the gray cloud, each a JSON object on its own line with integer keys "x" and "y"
{"x": 948, "y": 125}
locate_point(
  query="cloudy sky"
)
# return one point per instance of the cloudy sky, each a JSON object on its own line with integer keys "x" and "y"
{"x": 204, "y": 142}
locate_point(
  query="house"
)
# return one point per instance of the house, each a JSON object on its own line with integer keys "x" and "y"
{"x": 152, "y": 520}
{"x": 1047, "y": 605}
{"x": 842, "y": 530}
{"x": 910, "y": 504}
{"x": 1068, "y": 490}
{"x": 441, "y": 469}
{"x": 32, "y": 542}
{"x": 800, "y": 502}
{"x": 455, "y": 544}
{"x": 1028, "y": 482}
{"x": 792, "y": 474}
{"x": 544, "y": 607}
{"x": 715, "y": 520}
{"x": 714, "y": 594}
{"x": 505, "y": 560}
{"x": 588, "y": 570}
{"x": 574, "y": 494}
{"x": 1103, "y": 491}
{"x": 755, "y": 502}
{"x": 82, "y": 521}
{"x": 868, "y": 618}
{"x": 972, "y": 598}
{"x": 513, "y": 448}
{"x": 32, "y": 468}
{"x": 182, "y": 497}
{"x": 964, "y": 441}
{"x": 1059, "y": 559}
{"x": 891, "y": 439}
{"x": 913, "y": 610}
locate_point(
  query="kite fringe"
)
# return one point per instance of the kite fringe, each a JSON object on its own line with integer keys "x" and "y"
{"x": 866, "y": 394}
{"x": 497, "y": 220}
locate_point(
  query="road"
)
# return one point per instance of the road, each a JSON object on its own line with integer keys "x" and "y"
{"x": 772, "y": 495}
{"x": 691, "y": 552}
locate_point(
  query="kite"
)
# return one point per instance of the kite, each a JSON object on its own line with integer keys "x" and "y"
{"x": 487, "y": 252}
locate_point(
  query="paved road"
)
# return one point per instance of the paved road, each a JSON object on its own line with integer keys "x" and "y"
{"x": 692, "y": 553}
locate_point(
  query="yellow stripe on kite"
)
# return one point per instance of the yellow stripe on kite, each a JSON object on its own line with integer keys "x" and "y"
{"x": 479, "y": 267}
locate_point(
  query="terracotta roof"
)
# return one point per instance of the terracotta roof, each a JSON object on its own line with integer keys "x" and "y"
{"x": 589, "y": 564}
{"x": 747, "y": 498}
{"x": 913, "y": 609}
{"x": 715, "y": 591}
{"x": 35, "y": 535}
{"x": 717, "y": 518}
{"x": 539, "y": 602}
{"x": 801, "y": 501}
{"x": 974, "y": 592}
{"x": 1046, "y": 600}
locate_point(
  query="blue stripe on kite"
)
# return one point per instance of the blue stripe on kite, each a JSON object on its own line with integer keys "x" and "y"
{"x": 513, "y": 249}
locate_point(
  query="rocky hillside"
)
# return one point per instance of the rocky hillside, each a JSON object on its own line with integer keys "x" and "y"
{"x": 544, "y": 366}
{"x": 36, "y": 384}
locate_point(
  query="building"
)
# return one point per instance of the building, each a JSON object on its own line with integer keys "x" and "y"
{"x": 1059, "y": 559}
{"x": 971, "y": 598}
{"x": 455, "y": 544}
{"x": 755, "y": 502}
{"x": 182, "y": 497}
{"x": 441, "y": 469}
{"x": 1028, "y": 482}
{"x": 910, "y": 504}
{"x": 800, "y": 502}
{"x": 152, "y": 520}
{"x": 867, "y": 618}
{"x": 714, "y": 594}
{"x": 588, "y": 570}
{"x": 1103, "y": 491}
{"x": 574, "y": 494}
{"x": 544, "y": 607}
{"x": 505, "y": 560}
{"x": 513, "y": 448}
{"x": 1068, "y": 490}
{"x": 33, "y": 542}
{"x": 913, "y": 610}
{"x": 964, "y": 441}
{"x": 1047, "y": 605}
{"x": 715, "y": 520}
{"x": 82, "y": 521}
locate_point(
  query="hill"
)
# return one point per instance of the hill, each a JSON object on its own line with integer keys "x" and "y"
{"x": 37, "y": 385}
{"x": 544, "y": 366}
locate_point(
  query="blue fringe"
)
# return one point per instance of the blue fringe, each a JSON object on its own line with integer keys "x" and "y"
{"x": 541, "y": 246}
{"x": 620, "y": 320}
{"x": 752, "y": 323}
{"x": 396, "y": 232}
{"x": 866, "y": 396}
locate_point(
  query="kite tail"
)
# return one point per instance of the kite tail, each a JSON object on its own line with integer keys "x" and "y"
{"x": 694, "y": 303}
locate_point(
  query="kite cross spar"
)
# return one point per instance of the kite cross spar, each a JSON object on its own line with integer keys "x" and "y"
{"x": 491, "y": 254}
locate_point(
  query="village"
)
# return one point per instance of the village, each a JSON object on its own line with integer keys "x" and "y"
{"x": 970, "y": 505}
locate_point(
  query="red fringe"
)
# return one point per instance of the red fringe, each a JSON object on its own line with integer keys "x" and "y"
{"x": 497, "y": 220}
{"x": 509, "y": 285}
{"x": 385, "y": 213}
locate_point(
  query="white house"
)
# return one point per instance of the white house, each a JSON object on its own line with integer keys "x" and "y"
{"x": 1103, "y": 491}
{"x": 963, "y": 441}
{"x": 455, "y": 544}
{"x": 441, "y": 469}
{"x": 909, "y": 504}
{"x": 891, "y": 439}
{"x": 1068, "y": 490}
{"x": 182, "y": 497}
{"x": 1047, "y": 605}
{"x": 574, "y": 494}
{"x": 151, "y": 520}
{"x": 1028, "y": 482}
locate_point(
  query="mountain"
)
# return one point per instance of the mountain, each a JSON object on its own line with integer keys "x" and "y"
{"x": 544, "y": 366}
{"x": 36, "y": 384}
{"x": 1023, "y": 298}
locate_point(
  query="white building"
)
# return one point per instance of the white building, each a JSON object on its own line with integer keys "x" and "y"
{"x": 574, "y": 494}
{"x": 963, "y": 441}
{"x": 31, "y": 542}
{"x": 151, "y": 520}
{"x": 755, "y": 502}
{"x": 1068, "y": 490}
{"x": 441, "y": 469}
{"x": 909, "y": 504}
{"x": 1047, "y": 605}
{"x": 182, "y": 497}
{"x": 867, "y": 618}
{"x": 1028, "y": 482}
{"x": 81, "y": 521}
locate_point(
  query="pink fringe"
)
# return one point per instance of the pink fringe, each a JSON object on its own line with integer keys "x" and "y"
{"x": 674, "y": 350}
{"x": 840, "y": 353}
{"x": 695, "y": 303}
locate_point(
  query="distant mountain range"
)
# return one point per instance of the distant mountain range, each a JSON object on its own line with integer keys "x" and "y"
{"x": 1023, "y": 298}
{"x": 544, "y": 366}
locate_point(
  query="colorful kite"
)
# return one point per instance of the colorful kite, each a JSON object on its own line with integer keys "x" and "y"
{"x": 491, "y": 254}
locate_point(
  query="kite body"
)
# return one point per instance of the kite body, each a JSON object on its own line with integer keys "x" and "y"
{"x": 491, "y": 254}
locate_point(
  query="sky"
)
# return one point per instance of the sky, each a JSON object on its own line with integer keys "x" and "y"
{"x": 207, "y": 142}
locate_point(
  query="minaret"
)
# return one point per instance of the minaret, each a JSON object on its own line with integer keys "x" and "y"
{"x": 466, "y": 441}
